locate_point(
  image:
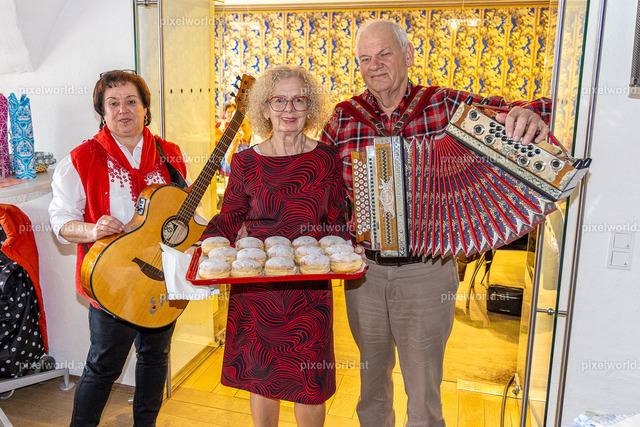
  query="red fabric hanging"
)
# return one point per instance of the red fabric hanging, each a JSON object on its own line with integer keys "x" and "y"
{"x": 20, "y": 246}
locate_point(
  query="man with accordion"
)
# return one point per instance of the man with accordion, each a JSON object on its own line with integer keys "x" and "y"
{"x": 401, "y": 301}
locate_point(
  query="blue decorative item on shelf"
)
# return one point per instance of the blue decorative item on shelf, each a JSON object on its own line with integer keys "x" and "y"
{"x": 22, "y": 137}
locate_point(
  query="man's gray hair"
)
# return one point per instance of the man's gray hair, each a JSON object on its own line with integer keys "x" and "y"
{"x": 400, "y": 32}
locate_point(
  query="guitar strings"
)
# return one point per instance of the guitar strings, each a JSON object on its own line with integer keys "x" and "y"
{"x": 189, "y": 206}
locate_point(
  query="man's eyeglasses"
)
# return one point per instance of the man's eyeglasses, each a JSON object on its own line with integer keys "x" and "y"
{"x": 104, "y": 73}
{"x": 279, "y": 103}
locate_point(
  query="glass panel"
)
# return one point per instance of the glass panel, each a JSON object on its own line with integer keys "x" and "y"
{"x": 187, "y": 47}
{"x": 147, "y": 55}
{"x": 247, "y": 42}
{"x": 552, "y": 245}
{"x": 187, "y": 92}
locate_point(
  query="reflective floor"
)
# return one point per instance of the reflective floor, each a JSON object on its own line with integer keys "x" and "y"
{"x": 480, "y": 359}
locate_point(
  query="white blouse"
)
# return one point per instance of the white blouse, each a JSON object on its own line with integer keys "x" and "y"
{"x": 69, "y": 198}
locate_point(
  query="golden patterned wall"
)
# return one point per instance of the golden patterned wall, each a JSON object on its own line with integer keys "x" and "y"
{"x": 489, "y": 51}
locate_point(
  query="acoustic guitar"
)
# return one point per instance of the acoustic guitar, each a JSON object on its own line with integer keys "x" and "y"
{"x": 123, "y": 273}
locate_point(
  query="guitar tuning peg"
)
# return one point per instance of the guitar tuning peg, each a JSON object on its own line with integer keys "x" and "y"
{"x": 233, "y": 94}
{"x": 238, "y": 78}
{"x": 236, "y": 86}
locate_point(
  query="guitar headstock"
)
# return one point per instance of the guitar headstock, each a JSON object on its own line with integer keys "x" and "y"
{"x": 241, "y": 98}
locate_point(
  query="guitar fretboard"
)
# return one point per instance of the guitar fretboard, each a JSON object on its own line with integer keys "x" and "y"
{"x": 188, "y": 208}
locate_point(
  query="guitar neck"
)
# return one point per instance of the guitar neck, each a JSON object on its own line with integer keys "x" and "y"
{"x": 201, "y": 184}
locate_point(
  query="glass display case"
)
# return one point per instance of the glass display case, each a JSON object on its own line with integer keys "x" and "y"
{"x": 190, "y": 53}
{"x": 174, "y": 59}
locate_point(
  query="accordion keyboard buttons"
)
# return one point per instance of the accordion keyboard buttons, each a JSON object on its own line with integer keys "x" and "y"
{"x": 491, "y": 133}
{"x": 545, "y": 167}
{"x": 523, "y": 161}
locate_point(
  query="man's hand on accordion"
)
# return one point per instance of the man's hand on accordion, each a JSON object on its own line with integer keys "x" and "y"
{"x": 524, "y": 124}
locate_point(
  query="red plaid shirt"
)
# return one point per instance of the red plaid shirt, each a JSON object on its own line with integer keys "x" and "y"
{"x": 348, "y": 134}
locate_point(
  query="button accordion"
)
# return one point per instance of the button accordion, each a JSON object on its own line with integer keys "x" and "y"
{"x": 466, "y": 191}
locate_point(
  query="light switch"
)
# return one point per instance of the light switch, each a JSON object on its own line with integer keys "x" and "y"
{"x": 620, "y": 250}
{"x": 621, "y": 260}
{"x": 622, "y": 240}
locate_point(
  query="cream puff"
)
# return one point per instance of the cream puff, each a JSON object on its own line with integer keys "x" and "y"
{"x": 214, "y": 269}
{"x": 304, "y": 241}
{"x": 249, "y": 242}
{"x": 212, "y": 243}
{"x": 303, "y": 251}
{"x": 315, "y": 264}
{"x": 327, "y": 241}
{"x": 245, "y": 268}
{"x": 279, "y": 266}
{"x": 280, "y": 251}
{"x": 334, "y": 249}
{"x": 345, "y": 262}
{"x": 226, "y": 253}
{"x": 255, "y": 254}
{"x": 272, "y": 241}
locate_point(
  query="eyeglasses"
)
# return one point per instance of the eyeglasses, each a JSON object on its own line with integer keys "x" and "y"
{"x": 104, "y": 73}
{"x": 279, "y": 103}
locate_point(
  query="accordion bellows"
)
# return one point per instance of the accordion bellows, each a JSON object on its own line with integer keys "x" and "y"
{"x": 443, "y": 197}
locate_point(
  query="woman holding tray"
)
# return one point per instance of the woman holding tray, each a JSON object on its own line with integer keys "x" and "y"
{"x": 279, "y": 334}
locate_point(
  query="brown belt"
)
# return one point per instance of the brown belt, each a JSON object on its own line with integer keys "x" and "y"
{"x": 376, "y": 257}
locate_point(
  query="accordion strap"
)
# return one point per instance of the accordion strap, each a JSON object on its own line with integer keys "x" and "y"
{"x": 364, "y": 113}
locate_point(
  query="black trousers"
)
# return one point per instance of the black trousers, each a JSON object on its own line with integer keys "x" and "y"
{"x": 111, "y": 341}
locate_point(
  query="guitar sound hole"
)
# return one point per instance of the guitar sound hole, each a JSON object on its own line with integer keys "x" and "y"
{"x": 174, "y": 232}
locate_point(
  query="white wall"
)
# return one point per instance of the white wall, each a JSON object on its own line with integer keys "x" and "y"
{"x": 72, "y": 45}
{"x": 607, "y": 312}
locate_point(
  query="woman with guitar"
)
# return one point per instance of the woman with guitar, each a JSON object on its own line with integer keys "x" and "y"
{"x": 279, "y": 334}
{"x": 95, "y": 190}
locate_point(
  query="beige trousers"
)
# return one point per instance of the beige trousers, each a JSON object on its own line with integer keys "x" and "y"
{"x": 410, "y": 307}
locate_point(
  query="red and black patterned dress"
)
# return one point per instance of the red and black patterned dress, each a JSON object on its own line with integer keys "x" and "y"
{"x": 280, "y": 334}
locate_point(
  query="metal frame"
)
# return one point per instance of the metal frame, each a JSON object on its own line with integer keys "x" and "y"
{"x": 580, "y": 218}
{"x": 538, "y": 264}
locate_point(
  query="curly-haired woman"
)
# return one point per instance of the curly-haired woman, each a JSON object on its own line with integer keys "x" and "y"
{"x": 279, "y": 334}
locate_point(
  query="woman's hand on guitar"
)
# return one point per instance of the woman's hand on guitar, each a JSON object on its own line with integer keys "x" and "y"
{"x": 106, "y": 226}
{"x": 87, "y": 232}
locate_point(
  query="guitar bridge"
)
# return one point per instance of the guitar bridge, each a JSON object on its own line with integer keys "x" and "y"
{"x": 149, "y": 270}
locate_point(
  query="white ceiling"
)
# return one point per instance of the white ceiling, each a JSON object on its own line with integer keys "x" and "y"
{"x": 25, "y": 27}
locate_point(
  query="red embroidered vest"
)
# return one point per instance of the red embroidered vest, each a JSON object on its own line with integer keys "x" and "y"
{"x": 91, "y": 161}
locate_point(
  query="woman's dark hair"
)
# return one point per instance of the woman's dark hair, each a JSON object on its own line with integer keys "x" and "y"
{"x": 115, "y": 78}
